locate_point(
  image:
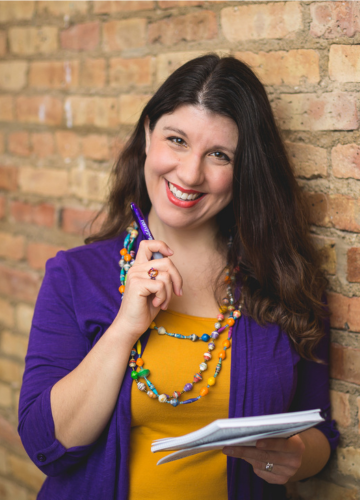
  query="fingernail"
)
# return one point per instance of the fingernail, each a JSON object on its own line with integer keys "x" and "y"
{"x": 171, "y": 252}
{"x": 181, "y": 292}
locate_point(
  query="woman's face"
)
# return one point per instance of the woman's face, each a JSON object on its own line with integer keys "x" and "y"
{"x": 189, "y": 165}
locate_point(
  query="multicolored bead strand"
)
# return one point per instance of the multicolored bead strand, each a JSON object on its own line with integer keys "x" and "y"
{"x": 138, "y": 371}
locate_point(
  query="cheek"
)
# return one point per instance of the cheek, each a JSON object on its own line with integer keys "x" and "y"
{"x": 223, "y": 184}
{"x": 159, "y": 160}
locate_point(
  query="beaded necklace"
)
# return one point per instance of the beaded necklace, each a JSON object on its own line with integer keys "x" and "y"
{"x": 137, "y": 365}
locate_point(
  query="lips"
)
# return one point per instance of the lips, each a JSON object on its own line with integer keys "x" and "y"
{"x": 184, "y": 198}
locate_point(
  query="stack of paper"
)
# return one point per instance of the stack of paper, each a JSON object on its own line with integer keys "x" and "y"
{"x": 236, "y": 431}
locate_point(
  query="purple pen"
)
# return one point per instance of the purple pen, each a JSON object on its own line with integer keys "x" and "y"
{"x": 140, "y": 219}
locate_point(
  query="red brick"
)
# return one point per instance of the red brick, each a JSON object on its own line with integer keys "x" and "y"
{"x": 19, "y": 284}
{"x": 77, "y": 221}
{"x": 38, "y": 254}
{"x": 42, "y": 144}
{"x": 131, "y": 106}
{"x": 42, "y": 214}
{"x": 8, "y": 178}
{"x": 54, "y": 74}
{"x": 19, "y": 144}
{"x": 335, "y": 19}
{"x": 6, "y": 108}
{"x": 96, "y": 147}
{"x": 39, "y": 109}
{"x": 62, "y": 8}
{"x": 344, "y": 63}
{"x": 308, "y": 160}
{"x": 45, "y": 181}
{"x": 11, "y": 246}
{"x": 15, "y": 11}
{"x": 345, "y": 312}
{"x": 281, "y": 67}
{"x": 9, "y": 437}
{"x": 168, "y": 4}
{"x": 169, "y": 62}
{"x": 89, "y": 184}
{"x": 68, "y": 144}
{"x": 2, "y": 143}
{"x": 124, "y": 34}
{"x": 97, "y": 111}
{"x": 353, "y": 265}
{"x": 188, "y": 28}
{"x": 346, "y": 161}
{"x": 2, "y": 207}
{"x": 336, "y": 210}
{"x": 126, "y": 73}
{"x": 358, "y": 405}
{"x": 345, "y": 363}
{"x": 253, "y": 22}
{"x": 13, "y": 75}
{"x": 93, "y": 73}
{"x": 111, "y": 7}
{"x": 27, "y": 40}
{"x": 330, "y": 111}
{"x": 340, "y": 408}
{"x": 84, "y": 36}
{"x": 2, "y": 43}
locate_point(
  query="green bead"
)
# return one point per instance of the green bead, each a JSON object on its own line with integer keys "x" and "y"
{"x": 134, "y": 375}
{"x": 143, "y": 373}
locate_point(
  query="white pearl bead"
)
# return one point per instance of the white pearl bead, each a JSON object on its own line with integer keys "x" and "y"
{"x": 217, "y": 325}
{"x": 162, "y": 398}
{"x": 203, "y": 366}
{"x": 126, "y": 267}
{"x": 161, "y": 330}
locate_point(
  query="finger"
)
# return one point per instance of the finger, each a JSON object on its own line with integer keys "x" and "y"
{"x": 148, "y": 247}
{"x": 161, "y": 265}
{"x": 146, "y": 287}
{"x": 293, "y": 444}
{"x": 285, "y": 470}
{"x": 248, "y": 452}
{"x": 271, "y": 478}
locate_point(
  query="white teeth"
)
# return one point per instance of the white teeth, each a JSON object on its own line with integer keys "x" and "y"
{"x": 182, "y": 196}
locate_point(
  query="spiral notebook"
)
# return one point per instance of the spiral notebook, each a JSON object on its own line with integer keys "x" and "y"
{"x": 236, "y": 431}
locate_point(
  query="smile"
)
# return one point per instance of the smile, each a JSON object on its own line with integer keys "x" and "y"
{"x": 185, "y": 194}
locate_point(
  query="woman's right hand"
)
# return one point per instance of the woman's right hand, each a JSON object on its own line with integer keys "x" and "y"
{"x": 143, "y": 297}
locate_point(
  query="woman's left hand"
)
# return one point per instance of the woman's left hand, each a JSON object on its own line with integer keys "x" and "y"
{"x": 285, "y": 456}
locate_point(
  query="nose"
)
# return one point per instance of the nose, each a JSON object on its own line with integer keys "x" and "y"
{"x": 190, "y": 170}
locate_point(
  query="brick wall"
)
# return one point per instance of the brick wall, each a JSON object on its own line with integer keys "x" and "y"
{"x": 73, "y": 77}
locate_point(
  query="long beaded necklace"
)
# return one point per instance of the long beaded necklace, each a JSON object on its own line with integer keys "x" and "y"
{"x": 137, "y": 365}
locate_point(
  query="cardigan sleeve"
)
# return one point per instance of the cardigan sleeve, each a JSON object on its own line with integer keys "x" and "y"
{"x": 56, "y": 347}
{"x": 312, "y": 390}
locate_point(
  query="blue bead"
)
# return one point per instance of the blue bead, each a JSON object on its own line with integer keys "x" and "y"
{"x": 205, "y": 337}
{"x": 178, "y": 336}
{"x": 174, "y": 402}
{"x": 127, "y": 239}
{"x": 187, "y": 401}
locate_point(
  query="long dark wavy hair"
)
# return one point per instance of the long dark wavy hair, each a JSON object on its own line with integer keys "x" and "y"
{"x": 272, "y": 253}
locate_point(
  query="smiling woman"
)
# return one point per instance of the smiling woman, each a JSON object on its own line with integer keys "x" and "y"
{"x": 207, "y": 166}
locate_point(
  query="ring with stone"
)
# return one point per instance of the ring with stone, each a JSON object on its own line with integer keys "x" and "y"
{"x": 269, "y": 467}
{"x": 153, "y": 273}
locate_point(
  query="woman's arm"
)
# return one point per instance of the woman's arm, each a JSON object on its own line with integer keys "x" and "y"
{"x": 298, "y": 457}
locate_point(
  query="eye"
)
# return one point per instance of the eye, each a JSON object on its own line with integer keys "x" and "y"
{"x": 177, "y": 140}
{"x": 221, "y": 156}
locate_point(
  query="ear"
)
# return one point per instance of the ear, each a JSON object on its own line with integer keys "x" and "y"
{"x": 147, "y": 134}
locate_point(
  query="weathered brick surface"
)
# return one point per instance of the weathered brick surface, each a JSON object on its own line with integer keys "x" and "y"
{"x": 253, "y": 22}
{"x": 344, "y": 65}
{"x": 2, "y": 207}
{"x": 5, "y": 402}
{"x": 89, "y": 184}
{"x": 97, "y": 111}
{"x": 27, "y": 41}
{"x": 111, "y": 7}
{"x": 96, "y": 147}
{"x": 8, "y": 177}
{"x": 189, "y": 28}
{"x": 42, "y": 214}
{"x": 316, "y": 489}
{"x": 77, "y": 221}
{"x": 2, "y": 143}
{"x": 62, "y": 8}
{"x": 38, "y": 253}
{"x": 81, "y": 37}
{"x": 169, "y": 62}
{"x": 326, "y": 249}
{"x": 23, "y": 318}
{"x": 2, "y": 43}
{"x": 11, "y": 246}
{"x": 13, "y": 75}
{"x": 345, "y": 312}
{"x": 18, "y": 284}
{"x": 308, "y": 161}
{"x": 19, "y": 143}
{"x": 125, "y": 34}
{"x": 6, "y": 313}
{"x": 67, "y": 144}
{"x": 93, "y": 73}
{"x": 49, "y": 182}
{"x": 39, "y": 109}
{"x": 54, "y": 74}
{"x": 349, "y": 461}
{"x": 353, "y": 265}
{"x": 16, "y": 11}
{"x": 335, "y": 19}
{"x": 131, "y": 106}
{"x": 168, "y": 4}
{"x": 42, "y": 144}
{"x": 345, "y": 363}
{"x": 340, "y": 408}
{"x": 330, "y": 111}
{"x": 345, "y": 160}
{"x": 6, "y": 108}
{"x": 290, "y": 68}
{"x": 26, "y": 472}
{"x": 13, "y": 345}
{"x": 336, "y": 210}
{"x": 130, "y": 72}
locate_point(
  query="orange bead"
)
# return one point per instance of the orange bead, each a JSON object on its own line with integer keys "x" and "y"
{"x": 139, "y": 362}
{"x": 226, "y": 343}
{"x": 123, "y": 251}
{"x": 204, "y": 391}
{"x": 127, "y": 257}
{"x": 230, "y": 321}
{"x": 152, "y": 325}
{"x": 122, "y": 288}
{"x": 222, "y": 354}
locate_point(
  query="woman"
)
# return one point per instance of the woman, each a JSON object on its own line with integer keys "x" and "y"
{"x": 207, "y": 165}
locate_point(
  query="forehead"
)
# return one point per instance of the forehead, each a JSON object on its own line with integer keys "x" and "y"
{"x": 197, "y": 122}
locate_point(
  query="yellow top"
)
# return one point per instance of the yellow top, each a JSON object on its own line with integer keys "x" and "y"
{"x": 173, "y": 363}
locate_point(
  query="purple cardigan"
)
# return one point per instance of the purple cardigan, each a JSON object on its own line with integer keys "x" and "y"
{"x": 77, "y": 302}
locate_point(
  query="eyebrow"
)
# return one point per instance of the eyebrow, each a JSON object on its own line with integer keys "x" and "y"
{"x": 181, "y": 132}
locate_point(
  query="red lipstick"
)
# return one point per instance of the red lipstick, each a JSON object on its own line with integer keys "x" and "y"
{"x": 182, "y": 203}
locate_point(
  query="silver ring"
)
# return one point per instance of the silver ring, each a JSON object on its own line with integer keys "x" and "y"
{"x": 269, "y": 467}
